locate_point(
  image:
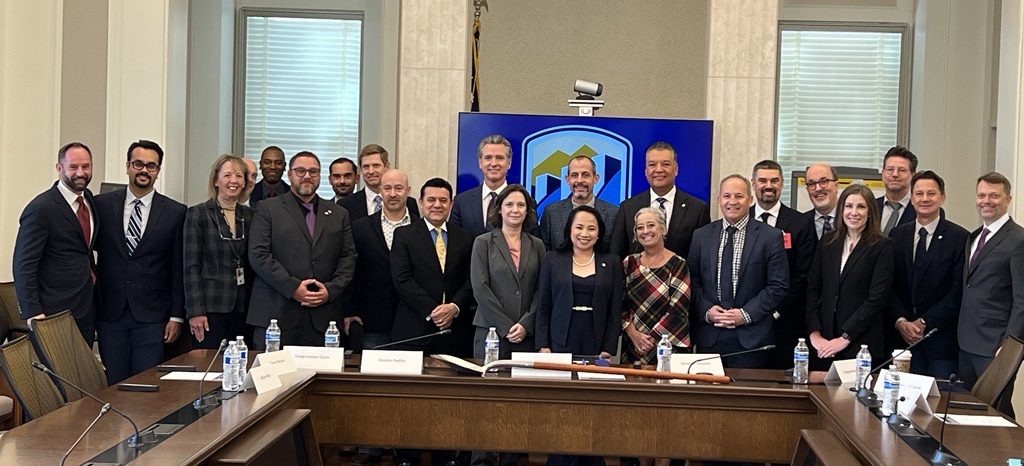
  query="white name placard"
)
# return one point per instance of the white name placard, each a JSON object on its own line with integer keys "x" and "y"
{"x": 912, "y": 387}
{"x": 842, "y": 372}
{"x": 318, "y": 358}
{"x": 711, "y": 365}
{"x": 264, "y": 378}
{"x": 528, "y": 373}
{"x": 392, "y": 362}
{"x": 277, "y": 363}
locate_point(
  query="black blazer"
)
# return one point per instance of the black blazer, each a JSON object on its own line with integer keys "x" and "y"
{"x": 932, "y": 289}
{"x": 907, "y": 215}
{"x": 283, "y": 253}
{"x": 803, "y": 241}
{"x": 210, "y": 260}
{"x": 150, "y": 282}
{"x": 355, "y": 204}
{"x": 260, "y": 192}
{"x": 993, "y": 300}
{"x": 762, "y": 285}
{"x": 688, "y": 214}
{"x": 371, "y": 295}
{"x": 421, "y": 285}
{"x": 853, "y": 301}
{"x": 52, "y": 263}
{"x": 554, "y": 309}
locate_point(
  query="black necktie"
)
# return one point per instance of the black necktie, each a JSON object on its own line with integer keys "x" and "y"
{"x": 725, "y": 291}
{"x": 922, "y": 244}
{"x": 917, "y": 272}
{"x": 765, "y": 216}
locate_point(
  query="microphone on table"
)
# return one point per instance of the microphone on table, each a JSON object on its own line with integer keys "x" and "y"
{"x": 727, "y": 355}
{"x": 870, "y": 398}
{"x": 211, "y": 399}
{"x": 941, "y": 455}
{"x": 407, "y": 340}
{"x": 136, "y": 440}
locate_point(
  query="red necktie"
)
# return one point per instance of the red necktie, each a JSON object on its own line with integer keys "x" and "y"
{"x": 83, "y": 220}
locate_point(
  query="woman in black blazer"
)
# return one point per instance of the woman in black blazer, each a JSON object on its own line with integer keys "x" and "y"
{"x": 849, "y": 283}
{"x": 217, "y": 272}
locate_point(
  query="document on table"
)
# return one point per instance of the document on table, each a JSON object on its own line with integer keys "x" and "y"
{"x": 599, "y": 376}
{"x": 981, "y": 421}
{"x": 194, "y": 376}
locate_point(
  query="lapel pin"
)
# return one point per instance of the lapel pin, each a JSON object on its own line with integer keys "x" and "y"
{"x": 603, "y": 264}
{"x": 940, "y": 237}
{"x": 682, "y": 205}
{"x": 327, "y": 212}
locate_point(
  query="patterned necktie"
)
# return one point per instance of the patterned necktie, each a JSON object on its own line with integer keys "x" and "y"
{"x": 977, "y": 250}
{"x": 725, "y": 290}
{"x": 826, "y": 227}
{"x": 439, "y": 247}
{"x": 893, "y": 218}
{"x": 310, "y": 217}
{"x": 376, "y": 203}
{"x": 134, "y": 233}
{"x": 661, "y": 204}
{"x": 83, "y": 220}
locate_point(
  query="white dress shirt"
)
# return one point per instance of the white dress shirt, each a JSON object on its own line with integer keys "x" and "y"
{"x": 930, "y": 228}
{"x": 887, "y": 211}
{"x": 145, "y": 207}
{"x": 670, "y": 198}
{"x": 993, "y": 228}
{"x": 773, "y": 213}
{"x": 485, "y": 194}
{"x": 370, "y": 196}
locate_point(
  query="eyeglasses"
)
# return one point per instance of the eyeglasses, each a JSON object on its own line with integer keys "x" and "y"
{"x": 822, "y": 183}
{"x": 301, "y": 172}
{"x": 150, "y": 167}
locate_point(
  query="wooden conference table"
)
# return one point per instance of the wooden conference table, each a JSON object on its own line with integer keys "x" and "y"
{"x": 758, "y": 418}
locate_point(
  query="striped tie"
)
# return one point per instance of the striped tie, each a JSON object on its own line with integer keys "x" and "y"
{"x": 134, "y": 228}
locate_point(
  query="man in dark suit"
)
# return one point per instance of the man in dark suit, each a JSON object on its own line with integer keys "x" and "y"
{"x": 272, "y": 167}
{"x": 344, "y": 178}
{"x": 582, "y": 176}
{"x": 928, "y": 259}
{"x": 469, "y": 210}
{"x": 140, "y": 271}
{"x": 993, "y": 298}
{"x": 823, "y": 192}
{"x": 740, "y": 276}
{"x": 302, "y": 252}
{"x": 54, "y": 269}
{"x": 898, "y": 167}
{"x": 683, "y": 212}
{"x": 799, "y": 241}
{"x": 373, "y": 160}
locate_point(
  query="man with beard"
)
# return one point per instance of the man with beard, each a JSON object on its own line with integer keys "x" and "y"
{"x": 251, "y": 185}
{"x": 824, "y": 194}
{"x": 581, "y": 175}
{"x": 53, "y": 262}
{"x": 373, "y": 160}
{"x": 800, "y": 242}
{"x": 302, "y": 252}
{"x": 344, "y": 177}
{"x": 272, "y": 167}
{"x": 898, "y": 167}
{"x": 139, "y": 268}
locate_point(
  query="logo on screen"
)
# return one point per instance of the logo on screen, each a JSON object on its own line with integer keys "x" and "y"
{"x": 546, "y": 156}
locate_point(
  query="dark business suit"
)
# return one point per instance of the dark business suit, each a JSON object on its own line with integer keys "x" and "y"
{"x": 467, "y": 212}
{"x": 907, "y": 214}
{"x": 355, "y": 204}
{"x": 993, "y": 298}
{"x": 853, "y": 301}
{"x": 555, "y": 295}
{"x": 211, "y": 259}
{"x": 261, "y": 192}
{"x": 761, "y": 286}
{"x": 552, "y": 223}
{"x": 929, "y": 287}
{"x": 141, "y": 291}
{"x": 53, "y": 262}
{"x": 688, "y": 214}
{"x": 504, "y": 295}
{"x": 422, "y": 286}
{"x": 800, "y": 246}
{"x": 283, "y": 253}
{"x": 372, "y": 296}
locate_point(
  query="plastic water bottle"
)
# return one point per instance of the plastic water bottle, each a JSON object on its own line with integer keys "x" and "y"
{"x": 801, "y": 355}
{"x": 664, "y": 356}
{"x": 491, "y": 345}
{"x": 273, "y": 337}
{"x": 229, "y": 381}
{"x": 332, "y": 337}
{"x": 891, "y": 392}
{"x": 243, "y": 359}
{"x": 863, "y": 366}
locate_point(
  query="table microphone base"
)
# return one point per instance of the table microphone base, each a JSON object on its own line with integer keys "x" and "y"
{"x": 946, "y": 458}
{"x": 144, "y": 438}
{"x": 213, "y": 399}
{"x": 868, "y": 398}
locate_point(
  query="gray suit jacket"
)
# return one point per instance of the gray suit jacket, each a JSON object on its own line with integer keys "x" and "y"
{"x": 505, "y": 296}
{"x": 992, "y": 307}
{"x": 283, "y": 253}
{"x": 552, "y": 223}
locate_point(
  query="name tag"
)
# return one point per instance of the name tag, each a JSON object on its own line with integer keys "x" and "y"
{"x": 914, "y": 388}
{"x": 317, "y": 358}
{"x": 842, "y": 372}
{"x": 264, "y": 379}
{"x": 239, "y": 276}
{"x": 681, "y": 362}
{"x": 787, "y": 240}
{"x": 392, "y": 362}
{"x": 270, "y": 367}
{"x": 528, "y": 373}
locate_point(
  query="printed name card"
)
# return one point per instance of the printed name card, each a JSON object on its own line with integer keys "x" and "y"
{"x": 264, "y": 379}
{"x": 914, "y": 388}
{"x": 318, "y": 358}
{"x": 392, "y": 362}
{"x": 271, "y": 367}
{"x": 681, "y": 363}
{"x": 281, "y": 362}
{"x": 842, "y": 372}
{"x": 530, "y": 373}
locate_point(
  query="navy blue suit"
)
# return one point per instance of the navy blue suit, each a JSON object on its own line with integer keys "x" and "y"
{"x": 467, "y": 212}
{"x": 139, "y": 292}
{"x": 760, "y": 289}
{"x": 907, "y": 215}
{"x": 554, "y": 311}
{"x": 929, "y": 287}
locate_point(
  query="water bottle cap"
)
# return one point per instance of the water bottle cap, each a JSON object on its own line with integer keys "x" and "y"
{"x": 333, "y": 322}
{"x": 863, "y": 346}
{"x": 273, "y": 321}
{"x": 234, "y": 343}
{"x": 494, "y": 329}
{"x": 800, "y": 339}
{"x": 239, "y": 338}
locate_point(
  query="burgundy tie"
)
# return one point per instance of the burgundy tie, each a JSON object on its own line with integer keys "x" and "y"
{"x": 83, "y": 220}
{"x": 977, "y": 250}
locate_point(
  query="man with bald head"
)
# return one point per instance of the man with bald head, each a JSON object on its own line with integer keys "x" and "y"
{"x": 823, "y": 191}
{"x": 251, "y": 166}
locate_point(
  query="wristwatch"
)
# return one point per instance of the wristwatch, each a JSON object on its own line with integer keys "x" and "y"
{"x": 846, "y": 336}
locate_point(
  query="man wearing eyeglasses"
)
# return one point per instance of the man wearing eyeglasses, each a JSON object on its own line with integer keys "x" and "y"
{"x": 139, "y": 268}
{"x": 898, "y": 167}
{"x": 302, "y": 251}
{"x": 272, "y": 168}
{"x": 823, "y": 192}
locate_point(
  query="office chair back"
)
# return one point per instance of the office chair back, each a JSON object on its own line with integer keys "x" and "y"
{"x": 9, "y": 305}
{"x": 33, "y": 389}
{"x": 995, "y": 385}
{"x": 62, "y": 348}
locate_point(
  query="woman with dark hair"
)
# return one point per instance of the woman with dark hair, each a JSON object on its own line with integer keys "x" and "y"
{"x": 849, "y": 283}
{"x": 217, "y": 271}
{"x": 504, "y": 268}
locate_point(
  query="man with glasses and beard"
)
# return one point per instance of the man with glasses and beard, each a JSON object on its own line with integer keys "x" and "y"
{"x": 824, "y": 195}
{"x": 53, "y": 263}
{"x": 139, "y": 268}
{"x": 581, "y": 175}
{"x": 302, "y": 251}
